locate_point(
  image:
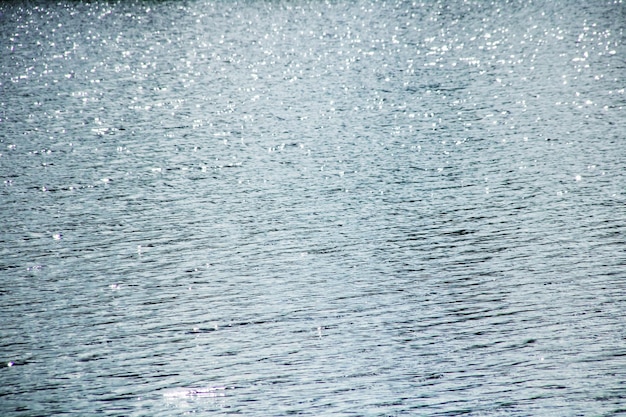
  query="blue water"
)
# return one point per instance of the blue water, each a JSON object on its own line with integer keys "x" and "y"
{"x": 324, "y": 208}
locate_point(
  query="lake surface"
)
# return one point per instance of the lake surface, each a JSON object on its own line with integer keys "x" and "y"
{"x": 336, "y": 208}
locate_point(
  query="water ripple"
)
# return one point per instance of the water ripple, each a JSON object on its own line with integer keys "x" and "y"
{"x": 347, "y": 208}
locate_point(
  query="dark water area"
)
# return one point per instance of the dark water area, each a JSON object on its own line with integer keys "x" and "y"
{"x": 302, "y": 207}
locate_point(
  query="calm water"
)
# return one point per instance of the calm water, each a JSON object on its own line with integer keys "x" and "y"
{"x": 323, "y": 208}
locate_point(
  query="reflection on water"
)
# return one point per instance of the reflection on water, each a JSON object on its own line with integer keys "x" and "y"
{"x": 342, "y": 208}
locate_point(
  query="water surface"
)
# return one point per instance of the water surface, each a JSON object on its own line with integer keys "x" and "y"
{"x": 323, "y": 208}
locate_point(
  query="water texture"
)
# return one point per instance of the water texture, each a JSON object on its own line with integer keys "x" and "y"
{"x": 336, "y": 208}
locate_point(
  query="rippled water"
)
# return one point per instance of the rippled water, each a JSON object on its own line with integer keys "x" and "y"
{"x": 307, "y": 207}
